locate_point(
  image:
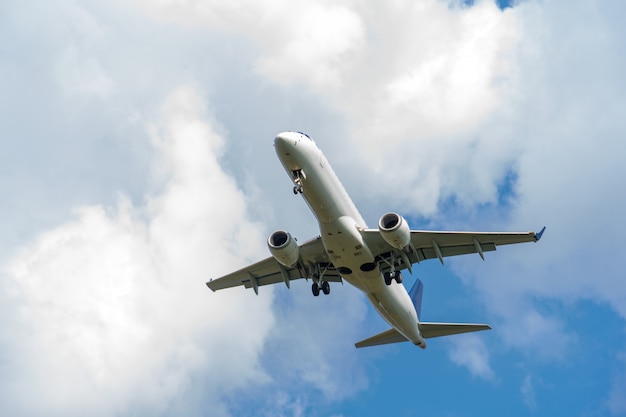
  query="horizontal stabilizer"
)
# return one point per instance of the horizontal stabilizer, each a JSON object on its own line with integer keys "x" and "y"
{"x": 429, "y": 330}
{"x": 389, "y": 336}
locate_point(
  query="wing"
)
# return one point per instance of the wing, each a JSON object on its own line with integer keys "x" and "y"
{"x": 313, "y": 260}
{"x": 437, "y": 244}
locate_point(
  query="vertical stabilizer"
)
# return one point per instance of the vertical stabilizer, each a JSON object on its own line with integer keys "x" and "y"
{"x": 416, "y": 296}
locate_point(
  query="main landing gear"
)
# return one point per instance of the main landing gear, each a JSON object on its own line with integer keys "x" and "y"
{"x": 323, "y": 285}
{"x": 390, "y": 276}
{"x": 316, "y": 273}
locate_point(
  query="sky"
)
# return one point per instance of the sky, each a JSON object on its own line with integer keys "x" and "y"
{"x": 136, "y": 162}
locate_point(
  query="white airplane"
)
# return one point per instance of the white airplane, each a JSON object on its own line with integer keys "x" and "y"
{"x": 369, "y": 259}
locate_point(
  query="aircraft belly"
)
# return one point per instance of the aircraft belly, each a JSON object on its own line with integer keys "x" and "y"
{"x": 395, "y": 306}
{"x": 345, "y": 246}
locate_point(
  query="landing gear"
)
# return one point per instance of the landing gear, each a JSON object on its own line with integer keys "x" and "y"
{"x": 394, "y": 275}
{"x": 324, "y": 286}
{"x": 316, "y": 273}
{"x": 316, "y": 289}
{"x": 298, "y": 175}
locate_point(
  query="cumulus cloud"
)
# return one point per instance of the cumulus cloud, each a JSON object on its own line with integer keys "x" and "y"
{"x": 567, "y": 174}
{"x": 312, "y": 43}
{"x": 322, "y": 354}
{"x": 440, "y": 101}
{"x": 318, "y": 48}
{"x": 415, "y": 82}
{"x": 441, "y": 77}
{"x": 470, "y": 352}
{"x": 457, "y": 102}
{"x": 111, "y": 312}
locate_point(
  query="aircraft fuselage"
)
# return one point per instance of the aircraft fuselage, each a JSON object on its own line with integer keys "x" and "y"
{"x": 341, "y": 227}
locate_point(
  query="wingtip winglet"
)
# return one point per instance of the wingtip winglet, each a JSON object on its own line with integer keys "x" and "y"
{"x": 208, "y": 285}
{"x": 538, "y": 235}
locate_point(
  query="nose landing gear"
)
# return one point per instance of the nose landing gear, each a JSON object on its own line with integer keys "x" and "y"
{"x": 298, "y": 176}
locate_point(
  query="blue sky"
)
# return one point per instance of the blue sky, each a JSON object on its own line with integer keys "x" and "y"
{"x": 136, "y": 162}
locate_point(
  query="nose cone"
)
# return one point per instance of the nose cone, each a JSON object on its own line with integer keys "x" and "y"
{"x": 285, "y": 146}
{"x": 285, "y": 141}
{"x": 293, "y": 148}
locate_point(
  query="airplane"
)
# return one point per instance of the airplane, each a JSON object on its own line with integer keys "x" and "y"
{"x": 369, "y": 259}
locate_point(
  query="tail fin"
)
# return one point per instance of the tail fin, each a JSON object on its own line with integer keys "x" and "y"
{"x": 416, "y": 293}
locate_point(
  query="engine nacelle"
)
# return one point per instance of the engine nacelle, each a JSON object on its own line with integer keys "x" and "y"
{"x": 395, "y": 230}
{"x": 284, "y": 248}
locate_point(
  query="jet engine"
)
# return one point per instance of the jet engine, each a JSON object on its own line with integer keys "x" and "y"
{"x": 284, "y": 248}
{"x": 395, "y": 230}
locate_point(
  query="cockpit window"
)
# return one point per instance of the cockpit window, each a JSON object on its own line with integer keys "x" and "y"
{"x": 304, "y": 134}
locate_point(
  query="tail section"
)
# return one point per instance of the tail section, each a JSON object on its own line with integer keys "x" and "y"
{"x": 428, "y": 330}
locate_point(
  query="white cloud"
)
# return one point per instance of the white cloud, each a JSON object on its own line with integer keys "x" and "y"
{"x": 112, "y": 313}
{"x": 439, "y": 101}
{"x": 322, "y": 354}
{"x": 429, "y": 80}
{"x": 413, "y": 81}
{"x": 568, "y": 172}
{"x": 451, "y": 99}
{"x": 528, "y": 392}
{"x": 313, "y": 43}
{"x": 317, "y": 48}
{"x": 470, "y": 352}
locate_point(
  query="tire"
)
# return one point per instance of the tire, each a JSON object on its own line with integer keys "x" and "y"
{"x": 326, "y": 287}
{"x": 387, "y": 277}
{"x": 316, "y": 289}
{"x": 398, "y": 277}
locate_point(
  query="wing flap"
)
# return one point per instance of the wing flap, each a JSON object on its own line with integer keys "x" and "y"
{"x": 441, "y": 244}
{"x": 454, "y": 250}
{"x": 278, "y": 278}
{"x": 269, "y": 271}
{"x": 430, "y": 330}
{"x": 263, "y": 271}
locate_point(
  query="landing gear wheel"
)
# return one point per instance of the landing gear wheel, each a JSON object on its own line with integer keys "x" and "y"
{"x": 388, "y": 278}
{"x": 326, "y": 287}
{"x": 295, "y": 190}
{"x": 316, "y": 289}
{"x": 398, "y": 277}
